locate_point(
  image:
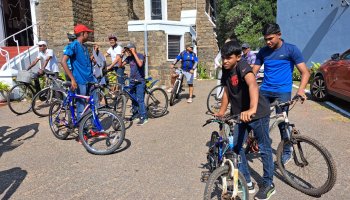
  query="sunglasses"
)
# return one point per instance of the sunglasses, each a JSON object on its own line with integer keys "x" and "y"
{"x": 41, "y": 45}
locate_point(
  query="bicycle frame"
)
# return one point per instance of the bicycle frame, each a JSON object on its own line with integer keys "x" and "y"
{"x": 180, "y": 78}
{"x": 91, "y": 104}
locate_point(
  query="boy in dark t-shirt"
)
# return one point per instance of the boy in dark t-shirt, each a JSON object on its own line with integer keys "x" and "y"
{"x": 242, "y": 92}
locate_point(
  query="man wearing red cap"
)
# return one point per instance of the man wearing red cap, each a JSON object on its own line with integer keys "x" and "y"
{"x": 81, "y": 73}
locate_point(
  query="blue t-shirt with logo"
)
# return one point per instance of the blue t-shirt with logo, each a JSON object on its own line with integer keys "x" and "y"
{"x": 80, "y": 62}
{"x": 188, "y": 60}
{"x": 278, "y": 67}
{"x": 68, "y": 61}
{"x": 136, "y": 72}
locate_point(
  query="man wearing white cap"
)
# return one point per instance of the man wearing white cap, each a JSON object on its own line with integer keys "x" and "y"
{"x": 48, "y": 59}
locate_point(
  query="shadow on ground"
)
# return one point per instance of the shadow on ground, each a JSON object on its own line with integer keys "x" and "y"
{"x": 11, "y": 138}
{"x": 11, "y": 179}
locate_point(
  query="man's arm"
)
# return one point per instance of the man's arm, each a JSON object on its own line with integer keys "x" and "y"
{"x": 256, "y": 68}
{"x": 117, "y": 60}
{"x": 224, "y": 104}
{"x": 254, "y": 97}
{"x": 46, "y": 62}
{"x": 305, "y": 75}
{"x": 68, "y": 72}
{"x": 33, "y": 63}
{"x": 139, "y": 62}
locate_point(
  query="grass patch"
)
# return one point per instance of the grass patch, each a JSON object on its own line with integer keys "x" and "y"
{"x": 297, "y": 83}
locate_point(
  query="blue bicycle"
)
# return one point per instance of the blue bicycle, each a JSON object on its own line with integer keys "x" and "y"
{"x": 101, "y": 130}
{"x": 225, "y": 181}
{"x": 156, "y": 100}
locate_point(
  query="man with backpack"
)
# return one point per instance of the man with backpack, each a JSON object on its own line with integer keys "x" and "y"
{"x": 189, "y": 63}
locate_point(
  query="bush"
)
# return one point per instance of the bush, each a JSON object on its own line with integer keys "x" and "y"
{"x": 202, "y": 72}
{"x": 314, "y": 68}
{"x": 296, "y": 74}
{"x": 4, "y": 87}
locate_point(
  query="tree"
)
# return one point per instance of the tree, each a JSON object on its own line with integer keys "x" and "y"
{"x": 244, "y": 20}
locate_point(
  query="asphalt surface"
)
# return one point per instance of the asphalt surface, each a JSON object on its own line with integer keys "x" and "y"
{"x": 160, "y": 160}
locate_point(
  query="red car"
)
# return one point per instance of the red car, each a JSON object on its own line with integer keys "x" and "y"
{"x": 333, "y": 78}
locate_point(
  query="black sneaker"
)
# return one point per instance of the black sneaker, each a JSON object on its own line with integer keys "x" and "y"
{"x": 265, "y": 193}
{"x": 142, "y": 121}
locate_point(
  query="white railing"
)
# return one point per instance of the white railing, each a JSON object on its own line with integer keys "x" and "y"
{"x": 5, "y": 53}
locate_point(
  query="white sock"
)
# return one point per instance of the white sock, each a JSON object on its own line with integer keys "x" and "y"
{"x": 249, "y": 184}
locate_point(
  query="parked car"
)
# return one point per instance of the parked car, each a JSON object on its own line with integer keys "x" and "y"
{"x": 333, "y": 78}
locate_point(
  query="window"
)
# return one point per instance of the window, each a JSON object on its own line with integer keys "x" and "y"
{"x": 173, "y": 46}
{"x": 156, "y": 12}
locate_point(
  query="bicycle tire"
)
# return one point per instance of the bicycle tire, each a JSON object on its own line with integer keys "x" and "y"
{"x": 155, "y": 98}
{"x": 120, "y": 105}
{"x": 213, "y": 152}
{"x": 21, "y": 103}
{"x": 213, "y": 183}
{"x": 87, "y": 132}
{"x": 174, "y": 92}
{"x": 60, "y": 117}
{"x": 41, "y": 102}
{"x": 295, "y": 181}
{"x": 215, "y": 107}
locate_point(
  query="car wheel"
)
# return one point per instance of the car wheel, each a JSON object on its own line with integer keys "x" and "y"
{"x": 319, "y": 89}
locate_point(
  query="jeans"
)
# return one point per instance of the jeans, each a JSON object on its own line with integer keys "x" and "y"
{"x": 120, "y": 75}
{"x": 81, "y": 103}
{"x": 138, "y": 90}
{"x": 283, "y": 97}
{"x": 261, "y": 133}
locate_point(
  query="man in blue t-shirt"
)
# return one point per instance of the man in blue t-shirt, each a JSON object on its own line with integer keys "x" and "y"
{"x": 137, "y": 82}
{"x": 71, "y": 37}
{"x": 279, "y": 59}
{"x": 81, "y": 64}
{"x": 189, "y": 63}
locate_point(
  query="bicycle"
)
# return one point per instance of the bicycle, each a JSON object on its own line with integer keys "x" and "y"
{"x": 301, "y": 160}
{"x": 225, "y": 177}
{"x": 156, "y": 100}
{"x": 20, "y": 95}
{"x": 101, "y": 130}
{"x": 177, "y": 89}
{"x": 214, "y": 99}
{"x": 42, "y": 100}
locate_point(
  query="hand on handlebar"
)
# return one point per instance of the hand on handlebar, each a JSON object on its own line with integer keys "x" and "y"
{"x": 300, "y": 94}
{"x": 247, "y": 116}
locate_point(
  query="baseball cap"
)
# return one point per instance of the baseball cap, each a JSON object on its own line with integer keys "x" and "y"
{"x": 71, "y": 35}
{"x": 42, "y": 43}
{"x": 245, "y": 45}
{"x": 81, "y": 28}
{"x": 130, "y": 45}
{"x": 112, "y": 36}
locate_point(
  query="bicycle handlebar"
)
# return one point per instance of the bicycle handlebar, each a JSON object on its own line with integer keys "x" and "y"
{"x": 228, "y": 119}
{"x": 287, "y": 103}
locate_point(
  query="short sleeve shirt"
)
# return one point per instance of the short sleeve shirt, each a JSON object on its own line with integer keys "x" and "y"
{"x": 52, "y": 66}
{"x": 188, "y": 59}
{"x": 278, "y": 67}
{"x": 80, "y": 61}
{"x": 68, "y": 61}
{"x": 136, "y": 72}
{"x": 117, "y": 50}
{"x": 238, "y": 91}
{"x": 250, "y": 58}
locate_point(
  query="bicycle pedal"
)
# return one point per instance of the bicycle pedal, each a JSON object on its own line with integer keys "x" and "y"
{"x": 205, "y": 175}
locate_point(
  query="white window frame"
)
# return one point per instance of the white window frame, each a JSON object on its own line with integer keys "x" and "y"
{"x": 148, "y": 9}
{"x": 182, "y": 47}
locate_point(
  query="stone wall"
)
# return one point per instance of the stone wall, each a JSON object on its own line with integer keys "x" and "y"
{"x": 207, "y": 47}
{"x": 55, "y": 19}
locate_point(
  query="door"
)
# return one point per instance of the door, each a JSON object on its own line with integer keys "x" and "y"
{"x": 342, "y": 75}
{"x": 17, "y": 16}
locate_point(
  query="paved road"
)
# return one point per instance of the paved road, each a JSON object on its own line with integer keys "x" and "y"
{"x": 161, "y": 160}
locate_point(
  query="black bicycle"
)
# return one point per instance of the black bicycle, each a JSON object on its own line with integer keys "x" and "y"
{"x": 311, "y": 168}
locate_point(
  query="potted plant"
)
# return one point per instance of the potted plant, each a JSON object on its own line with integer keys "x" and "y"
{"x": 4, "y": 88}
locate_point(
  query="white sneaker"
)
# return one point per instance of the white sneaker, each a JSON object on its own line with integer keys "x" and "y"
{"x": 189, "y": 100}
{"x": 169, "y": 90}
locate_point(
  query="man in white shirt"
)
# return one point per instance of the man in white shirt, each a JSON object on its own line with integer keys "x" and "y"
{"x": 48, "y": 59}
{"x": 115, "y": 52}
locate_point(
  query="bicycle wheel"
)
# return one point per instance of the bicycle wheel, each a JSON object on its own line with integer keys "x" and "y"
{"x": 108, "y": 139}
{"x": 173, "y": 95}
{"x": 42, "y": 101}
{"x": 19, "y": 98}
{"x": 214, "y": 190}
{"x": 60, "y": 120}
{"x": 157, "y": 103}
{"x": 214, "y": 99}
{"x": 120, "y": 105}
{"x": 102, "y": 99}
{"x": 312, "y": 169}
{"x": 213, "y": 152}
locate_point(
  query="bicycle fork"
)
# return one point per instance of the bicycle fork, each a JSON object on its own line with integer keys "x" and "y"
{"x": 232, "y": 172}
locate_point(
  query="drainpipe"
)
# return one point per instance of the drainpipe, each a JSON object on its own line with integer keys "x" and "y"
{"x": 146, "y": 49}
